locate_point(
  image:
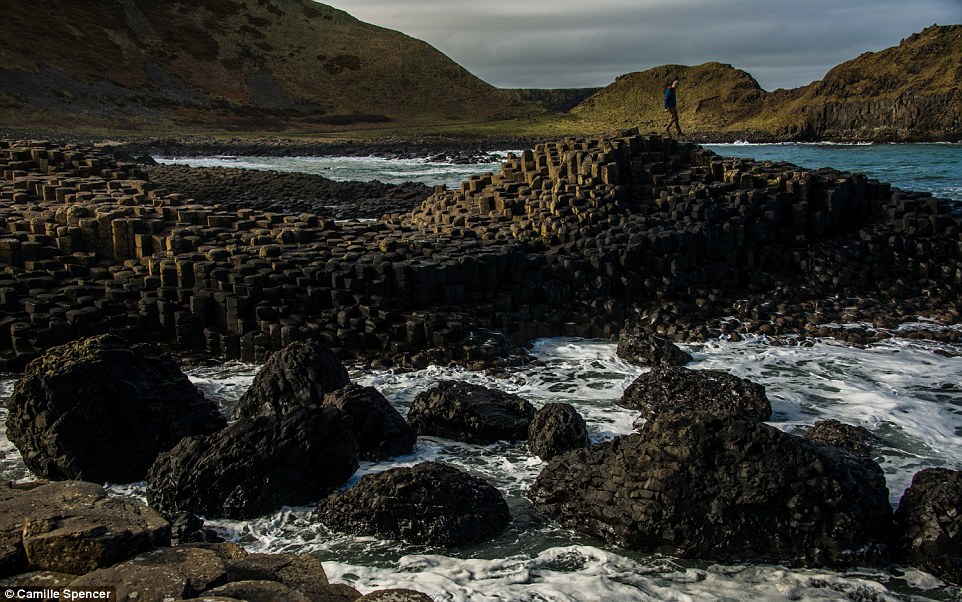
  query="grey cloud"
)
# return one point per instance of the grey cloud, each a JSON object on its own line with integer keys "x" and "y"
{"x": 563, "y": 43}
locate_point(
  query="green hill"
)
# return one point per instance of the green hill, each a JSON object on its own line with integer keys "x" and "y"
{"x": 297, "y": 67}
{"x": 231, "y": 64}
{"x": 909, "y": 92}
{"x": 711, "y": 96}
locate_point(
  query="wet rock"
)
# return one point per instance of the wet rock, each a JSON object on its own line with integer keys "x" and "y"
{"x": 189, "y": 528}
{"x": 380, "y": 430}
{"x": 638, "y": 345}
{"x": 929, "y": 524}
{"x": 555, "y": 429}
{"x": 707, "y": 392}
{"x": 857, "y": 440}
{"x": 725, "y": 490}
{"x": 429, "y": 503}
{"x": 395, "y": 595}
{"x": 48, "y": 579}
{"x": 73, "y": 527}
{"x": 300, "y": 572}
{"x": 472, "y": 413}
{"x": 257, "y": 591}
{"x": 162, "y": 574}
{"x": 256, "y": 465}
{"x": 101, "y": 410}
{"x": 301, "y": 374}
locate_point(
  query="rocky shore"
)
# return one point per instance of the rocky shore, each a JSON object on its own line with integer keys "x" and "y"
{"x": 571, "y": 238}
{"x": 703, "y": 479}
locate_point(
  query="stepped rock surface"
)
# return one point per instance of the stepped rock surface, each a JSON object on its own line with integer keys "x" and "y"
{"x": 571, "y": 238}
{"x": 72, "y": 527}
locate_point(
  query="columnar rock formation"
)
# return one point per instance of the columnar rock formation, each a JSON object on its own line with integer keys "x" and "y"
{"x": 570, "y": 238}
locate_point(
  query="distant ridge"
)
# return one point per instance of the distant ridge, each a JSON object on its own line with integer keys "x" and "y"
{"x": 298, "y": 67}
{"x": 233, "y": 64}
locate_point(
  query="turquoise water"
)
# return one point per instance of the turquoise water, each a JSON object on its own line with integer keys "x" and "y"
{"x": 934, "y": 168}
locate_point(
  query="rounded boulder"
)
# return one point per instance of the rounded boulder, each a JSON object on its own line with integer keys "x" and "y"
{"x": 471, "y": 413}
{"x": 430, "y": 503}
{"x": 555, "y": 429}
{"x": 102, "y": 409}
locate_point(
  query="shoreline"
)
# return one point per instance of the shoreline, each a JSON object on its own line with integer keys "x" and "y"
{"x": 460, "y": 147}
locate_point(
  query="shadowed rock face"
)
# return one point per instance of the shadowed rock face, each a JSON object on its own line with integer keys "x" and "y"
{"x": 380, "y": 430}
{"x": 101, "y": 409}
{"x": 929, "y": 524}
{"x": 256, "y": 465}
{"x": 555, "y": 429}
{"x": 636, "y": 344}
{"x": 703, "y": 392}
{"x": 722, "y": 489}
{"x": 301, "y": 374}
{"x": 429, "y": 503}
{"x": 854, "y": 439}
{"x": 471, "y": 413}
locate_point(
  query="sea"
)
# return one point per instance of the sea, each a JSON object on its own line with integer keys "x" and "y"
{"x": 907, "y": 391}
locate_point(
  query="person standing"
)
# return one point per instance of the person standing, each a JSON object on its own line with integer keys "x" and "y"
{"x": 671, "y": 107}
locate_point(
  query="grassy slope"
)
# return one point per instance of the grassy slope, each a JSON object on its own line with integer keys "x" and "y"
{"x": 300, "y": 68}
{"x": 718, "y": 98}
{"x": 297, "y": 59}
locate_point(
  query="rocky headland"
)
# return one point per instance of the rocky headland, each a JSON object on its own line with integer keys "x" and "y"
{"x": 570, "y": 238}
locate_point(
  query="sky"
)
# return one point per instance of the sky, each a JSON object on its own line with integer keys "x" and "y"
{"x": 589, "y": 43}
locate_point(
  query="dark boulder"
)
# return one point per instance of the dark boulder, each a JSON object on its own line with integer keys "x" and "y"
{"x": 725, "y": 490}
{"x": 380, "y": 430}
{"x": 929, "y": 524}
{"x": 429, "y": 503}
{"x": 639, "y": 346}
{"x": 555, "y": 429}
{"x": 471, "y": 413}
{"x": 256, "y": 465}
{"x": 101, "y": 410}
{"x": 72, "y": 527}
{"x": 300, "y": 374}
{"x": 704, "y": 392}
{"x": 856, "y": 440}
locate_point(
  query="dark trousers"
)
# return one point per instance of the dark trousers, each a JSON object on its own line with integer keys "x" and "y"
{"x": 672, "y": 120}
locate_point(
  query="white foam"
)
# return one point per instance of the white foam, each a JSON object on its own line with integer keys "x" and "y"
{"x": 390, "y": 171}
{"x": 901, "y": 390}
{"x": 582, "y": 573}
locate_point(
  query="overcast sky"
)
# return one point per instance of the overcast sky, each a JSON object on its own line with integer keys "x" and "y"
{"x": 588, "y": 43}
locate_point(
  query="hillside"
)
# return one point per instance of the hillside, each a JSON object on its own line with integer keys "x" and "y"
{"x": 230, "y": 64}
{"x": 711, "y": 96}
{"x": 909, "y": 92}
